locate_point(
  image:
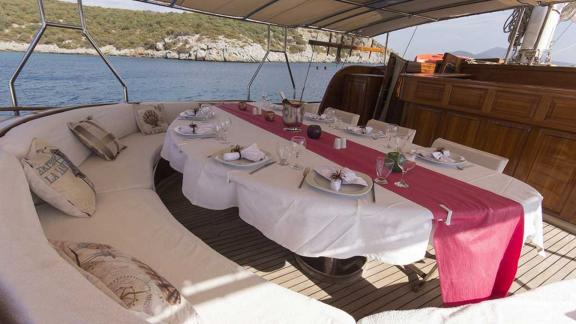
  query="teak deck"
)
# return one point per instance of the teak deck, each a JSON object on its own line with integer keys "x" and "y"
{"x": 382, "y": 287}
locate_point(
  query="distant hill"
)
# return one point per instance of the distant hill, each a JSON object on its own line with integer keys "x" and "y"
{"x": 146, "y": 33}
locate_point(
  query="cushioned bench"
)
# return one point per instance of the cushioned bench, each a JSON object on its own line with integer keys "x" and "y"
{"x": 130, "y": 217}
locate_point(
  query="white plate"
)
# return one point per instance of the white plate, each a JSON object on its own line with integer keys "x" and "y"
{"x": 318, "y": 120}
{"x": 205, "y": 135}
{"x": 319, "y": 182}
{"x": 186, "y": 116}
{"x": 242, "y": 163}
{"x": 459, "y": 160}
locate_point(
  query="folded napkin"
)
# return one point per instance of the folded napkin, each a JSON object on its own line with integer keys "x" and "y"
{"x": 311, "y": 116}
{"x": 359, "y": 130}
{"x": 200, "y": 129}
{"x": 442, "y": 155}
{"x": 251, "y": 153}
{"x": 203, "y": 111}
{"x": 348, "y": 176}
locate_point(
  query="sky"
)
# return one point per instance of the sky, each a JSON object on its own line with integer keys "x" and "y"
{"x": 473, "y": 34}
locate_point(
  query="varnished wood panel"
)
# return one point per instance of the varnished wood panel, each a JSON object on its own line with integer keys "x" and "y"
{"x": 429, "y": 91}
{"x": 426, "y": 121}
{"x": 460, "y": 128}
{"x": 553, "y": 171}
{"x": 562, "y": 110}
{"x": 517, "y": 104}
{"x": 471, "y": 98}
{"x": 504, "y": 139}
{"x": 354, "y": 94}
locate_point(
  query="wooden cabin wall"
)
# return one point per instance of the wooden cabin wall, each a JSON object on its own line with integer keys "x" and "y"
{"x": 553, "y": 77}
{"x": 533, "y": 126}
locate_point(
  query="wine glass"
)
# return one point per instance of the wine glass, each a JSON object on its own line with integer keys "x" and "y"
{"x": 284, "y": 151}
{"x": 225, "y": 126}
{"x": 298, "y": 145}
{"x": 383, "y": 169}
{"x": 406, "y": 165}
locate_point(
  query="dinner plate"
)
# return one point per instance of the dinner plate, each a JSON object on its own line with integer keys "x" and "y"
{"x": 242, "y": 163}
{"x": 459, "y": 159}
{"x": 319, "y": 120}
{"x": 358, "y": 134}
{"x": 317, "y": 181}
{"x": 187, "y": 116}
{"x": 189, "y": 135}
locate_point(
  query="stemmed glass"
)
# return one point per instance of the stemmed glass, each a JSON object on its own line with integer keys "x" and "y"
{"x": 222, "y": 129}
{"x": 383, "y": 169}
{"x": 265, "y": 102}
{"x": 298, "y": 145}
{"x": 406, "y": 165}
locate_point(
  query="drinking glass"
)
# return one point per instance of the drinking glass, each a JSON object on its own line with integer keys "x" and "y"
{"x": 225, "y": 126}
{"x": 406, "y": 165}
{"x": 383, "y": 169}
{"x": 284, "y": 151}
{"x": 298, "y": 145}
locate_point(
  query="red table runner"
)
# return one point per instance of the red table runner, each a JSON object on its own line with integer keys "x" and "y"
{"x": 477, "y": 254}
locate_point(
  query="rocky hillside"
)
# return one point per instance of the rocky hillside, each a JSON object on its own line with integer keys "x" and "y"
{"x": 187, "y": 36}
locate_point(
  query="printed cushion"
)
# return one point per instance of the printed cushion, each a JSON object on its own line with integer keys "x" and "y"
{"x": 57, "y": 181}
{"x": 129, "y": 282}
{"x": 97, "y": 139}
{"x": 150, "y": 119}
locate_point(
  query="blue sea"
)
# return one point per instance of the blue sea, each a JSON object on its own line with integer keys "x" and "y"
{"x": 64, "y": 79}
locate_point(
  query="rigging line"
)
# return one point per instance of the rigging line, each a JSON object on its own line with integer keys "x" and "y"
{"x": 410, "y": 41}
{"x": 564, "y": 32}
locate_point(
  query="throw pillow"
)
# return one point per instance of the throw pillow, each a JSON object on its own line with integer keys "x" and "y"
{"x": 150, "y": 119}
{"x": 97, "y": 139}
{"x": 132, "y": 283}
{"x": 57, "y": 181}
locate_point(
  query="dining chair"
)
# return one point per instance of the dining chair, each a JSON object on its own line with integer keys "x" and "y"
{"x": 311, "y": 107}
{"x": 485, "y": 159}
{"x": 403, "y": 131}
{"x": 345, "y": 116}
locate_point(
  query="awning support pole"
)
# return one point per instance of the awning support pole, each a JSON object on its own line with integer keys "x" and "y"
{"x": 268, "y": 50}
{"x": 44, "y": 25}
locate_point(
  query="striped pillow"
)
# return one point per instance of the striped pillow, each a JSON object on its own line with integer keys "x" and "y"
{"x": 97, "y": 139}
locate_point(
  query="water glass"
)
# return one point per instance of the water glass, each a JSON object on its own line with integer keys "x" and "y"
{"x": 383, "y": 169}
{"x": 298, "y": 146}
{"x": 223, "y": 129}
{"x": 406, "y": 165}
{"x": 284, "y": 150}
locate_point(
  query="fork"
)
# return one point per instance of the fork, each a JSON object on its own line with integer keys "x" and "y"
{"x": 304, "y": 174}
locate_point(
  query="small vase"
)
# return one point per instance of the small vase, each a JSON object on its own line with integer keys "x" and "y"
{"x": 336, "y": 185}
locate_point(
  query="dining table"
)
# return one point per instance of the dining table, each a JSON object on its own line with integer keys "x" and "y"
{"x": 386, "y": 225}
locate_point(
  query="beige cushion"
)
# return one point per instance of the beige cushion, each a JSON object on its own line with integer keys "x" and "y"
{"x": 137, "y": 223}
{"x": 118, "y": 119}
{"x": 345, "y": 116}
{"x": 485, "y": 159}
{"x": 37, "y": 285}
{"x": 402, "y": 131}
{"x": 150, "y": 119}
{"x": 58, "y": 181}
{"x": 103, "y": 143}
{"x": 174, "y": 108}
{"x": 131, "y": 282}
{"x": 131, "y": 169}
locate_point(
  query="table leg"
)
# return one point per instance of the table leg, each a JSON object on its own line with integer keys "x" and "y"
{"x": 331, "y": 269}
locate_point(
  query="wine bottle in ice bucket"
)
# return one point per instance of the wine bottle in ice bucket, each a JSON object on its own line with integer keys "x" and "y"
{"x": 292, "y": 113}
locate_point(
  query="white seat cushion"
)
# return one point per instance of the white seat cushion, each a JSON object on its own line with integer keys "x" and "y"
{"x": 485, "y": 159}
{"x": 553, "y": 303}
{"x": 137, "y": 223}
{"x": 132, "y": 169}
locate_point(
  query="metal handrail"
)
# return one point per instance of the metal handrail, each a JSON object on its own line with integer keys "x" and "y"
{"x": 268, "y": 51}
{"x": 43, "y": 26}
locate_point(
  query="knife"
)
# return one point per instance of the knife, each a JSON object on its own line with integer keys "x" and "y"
{"x": 262, "y": 167}
{"x": 373, "y": 194}
{"x": 304, "y": 174}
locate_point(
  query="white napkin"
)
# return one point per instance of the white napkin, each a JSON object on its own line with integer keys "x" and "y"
{"x": 251, "y": 153}
{"x": 360, "y": 130}
{"x": 202, "y": 111}
{"x": 311, "y": 116}
{"x": 442, "y": 155}
{"x": 201, "y": 129}
{"x": 348, "y": 176}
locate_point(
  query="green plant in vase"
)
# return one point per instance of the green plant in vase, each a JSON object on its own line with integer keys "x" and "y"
{"x": 398, "y": 158}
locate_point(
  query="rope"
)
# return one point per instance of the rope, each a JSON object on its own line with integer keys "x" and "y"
{"x": 410, "y": 41}
{"x": 512, "y": 21}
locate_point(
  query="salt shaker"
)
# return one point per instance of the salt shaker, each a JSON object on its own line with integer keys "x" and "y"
{"x": 343, "y": 142}
{"x": 338, "y": 143}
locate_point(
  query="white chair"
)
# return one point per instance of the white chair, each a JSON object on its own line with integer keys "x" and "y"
{"x": 403, "y": 131}
{"x": 347, "y": 117}
{"x": 485, "y": 159}
{"x": 312, "y": 108}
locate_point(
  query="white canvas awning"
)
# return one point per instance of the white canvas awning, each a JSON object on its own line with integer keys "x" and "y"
{"x": 362, "y": 17}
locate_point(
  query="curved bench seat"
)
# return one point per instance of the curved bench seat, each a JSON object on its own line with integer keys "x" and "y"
{"x": 131, "y": 217}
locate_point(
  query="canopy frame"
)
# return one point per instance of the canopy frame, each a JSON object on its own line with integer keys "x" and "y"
{"x": 38, "y": 36}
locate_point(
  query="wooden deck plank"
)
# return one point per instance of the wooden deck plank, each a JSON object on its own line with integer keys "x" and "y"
{"x": 382, "y": 286}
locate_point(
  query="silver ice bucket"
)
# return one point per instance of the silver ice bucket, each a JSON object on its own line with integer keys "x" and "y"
{"x": 292, "y": 113}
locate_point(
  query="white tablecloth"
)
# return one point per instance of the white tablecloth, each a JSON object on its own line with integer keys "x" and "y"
{"x": 313, "y": 223}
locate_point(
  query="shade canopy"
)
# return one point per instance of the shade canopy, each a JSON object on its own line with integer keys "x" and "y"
{"x": 361, "y": 17}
